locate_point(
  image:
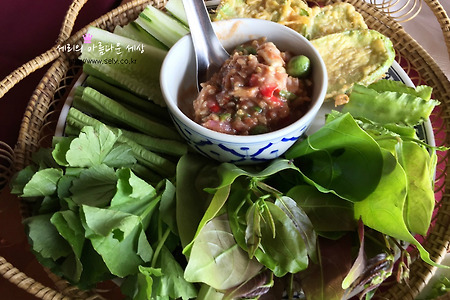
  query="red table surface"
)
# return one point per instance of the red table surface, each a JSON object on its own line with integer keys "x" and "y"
{"x": 27, "y": 29}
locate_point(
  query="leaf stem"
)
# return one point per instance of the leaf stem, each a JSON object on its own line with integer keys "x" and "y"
{"x": 159, "y": 247}
{"x": 291, "y": 286}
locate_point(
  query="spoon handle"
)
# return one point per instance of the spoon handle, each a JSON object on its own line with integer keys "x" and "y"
{"x": 209, "y": 52}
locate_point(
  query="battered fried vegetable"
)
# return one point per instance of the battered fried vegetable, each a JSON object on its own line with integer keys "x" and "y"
{"x": 312, "y": 22}
{"x": 295, "y": 13}
{"x": 357, "y": 56}
{"x": 334, "y": 18}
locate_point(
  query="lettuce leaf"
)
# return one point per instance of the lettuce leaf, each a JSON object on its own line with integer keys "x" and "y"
{"x": 384, "y": 85}
{"x": 398, "y": 104}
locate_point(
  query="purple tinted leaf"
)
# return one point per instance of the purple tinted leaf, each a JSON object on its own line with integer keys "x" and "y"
{"x": 360, "y": 263}
{"x": 254, "y": 287}
{"x": 276, "y": 291}
{"x": 377, "y": 270}
{"x": 323, "y": 281}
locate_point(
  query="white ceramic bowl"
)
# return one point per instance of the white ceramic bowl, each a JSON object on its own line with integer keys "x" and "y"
{"x": 178, "y": 78}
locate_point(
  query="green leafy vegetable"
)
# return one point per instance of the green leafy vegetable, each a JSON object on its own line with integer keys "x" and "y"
{"x": 440, "y": 288}
{"x": 42, "y": 183}
{"x": 217, "y": 260}
{"x": 383, "y": 209}
{"x": 118, "y": 237}
{"x": 254, "y": 287}
{"x": 95, "y": 213}
{"x": 208, "y": 293}
{"x": 323, "y": 280}
{"x": 327, "y": 212}
{"x": 193, "y": 175}
{"x": 340, "y": 158}
{"x": 70, "y": 228}
{"x": 390, "y": 106}
{"x": 285, "y": 247}
{"x": 45, "y": 239}
{"x": 384, "y": 85}
{"x": 360, "y": 263}
{"x": 21, "y": 178}
{"x": 301, "y": 222}
{"x": 146, "y": 158}
{"x": 170, "y": 284}
{"x": 215, "y": 206}
{"x": 263, "y": 222}
{"x": 419, "y": 168}
{"x": 94, "y": 186}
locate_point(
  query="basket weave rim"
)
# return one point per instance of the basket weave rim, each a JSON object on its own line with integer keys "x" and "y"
{"x": 405, "y": 44}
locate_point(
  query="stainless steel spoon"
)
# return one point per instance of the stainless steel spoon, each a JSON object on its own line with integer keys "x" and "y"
{"x": 209, "y": 52}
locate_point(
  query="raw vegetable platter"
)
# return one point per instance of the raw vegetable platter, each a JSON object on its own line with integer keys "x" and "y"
{"x": 151, "y": 258}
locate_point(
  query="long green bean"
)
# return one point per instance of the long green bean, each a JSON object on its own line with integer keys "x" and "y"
{"x": 127, "y": 98}
{"x": 101, "y": 105}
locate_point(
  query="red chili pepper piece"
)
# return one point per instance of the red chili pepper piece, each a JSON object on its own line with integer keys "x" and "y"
{"x": 214, "y": 106}
{"x": 268, "y": 90}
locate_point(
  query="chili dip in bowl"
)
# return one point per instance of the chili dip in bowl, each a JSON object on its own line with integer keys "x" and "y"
{"x": 258, "y": 104}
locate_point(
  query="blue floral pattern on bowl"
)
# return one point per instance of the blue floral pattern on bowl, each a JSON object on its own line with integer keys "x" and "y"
{"x": 238, "y": 152}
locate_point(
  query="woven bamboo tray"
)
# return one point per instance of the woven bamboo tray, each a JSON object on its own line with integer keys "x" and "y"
{"x": 41, "y": 114}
